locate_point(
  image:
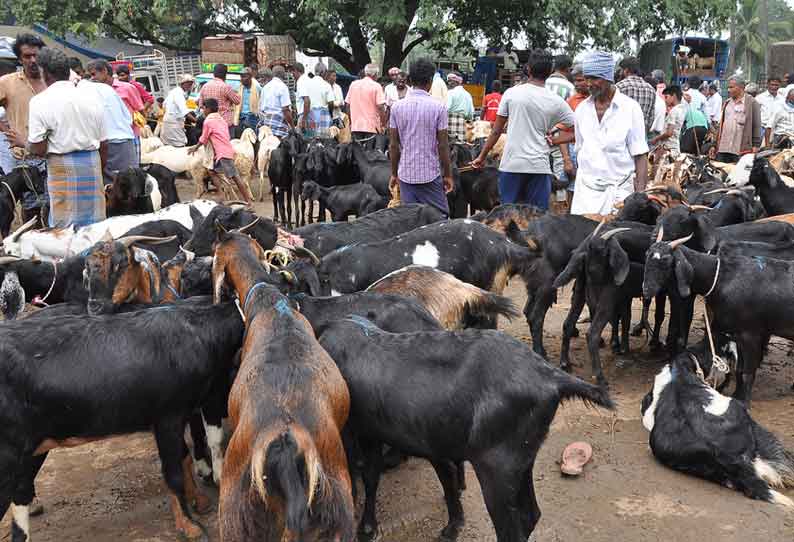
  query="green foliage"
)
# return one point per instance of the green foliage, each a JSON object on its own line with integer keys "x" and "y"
{"x": 749, "y": 38}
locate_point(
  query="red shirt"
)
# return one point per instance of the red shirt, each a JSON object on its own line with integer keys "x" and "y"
{"x": 491, "y": 105}
{"x": 145, "y": 96}
{"x": 131, "y": 98}
{"x": 216, "y": 131}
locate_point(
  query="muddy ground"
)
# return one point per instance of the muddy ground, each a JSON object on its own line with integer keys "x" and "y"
{"x": 112, "y": 490}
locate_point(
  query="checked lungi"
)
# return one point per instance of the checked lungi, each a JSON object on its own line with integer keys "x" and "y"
{"x": 457, "y": 127}
{"x": 74, "y": 181}
{"x": 319, "y": 123}
{"x": 273, "y": 118}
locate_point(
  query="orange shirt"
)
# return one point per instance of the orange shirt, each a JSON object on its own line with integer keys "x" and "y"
{"x": 576, "y": 99}
{"x": 490, "y": 104}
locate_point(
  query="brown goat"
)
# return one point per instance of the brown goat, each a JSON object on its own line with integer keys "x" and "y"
{"x": 285, "y": 474}
{"x": 522, "y": 214}
{"x": 454, "y": 303}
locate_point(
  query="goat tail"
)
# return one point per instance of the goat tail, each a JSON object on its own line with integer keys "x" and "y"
{"x": 288, "y": 465}
{"x": 773, "y": 463}
{"x": 486, "y": 304}
{"x": 571, "y": 387}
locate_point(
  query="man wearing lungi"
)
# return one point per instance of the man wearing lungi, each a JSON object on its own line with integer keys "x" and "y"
{"x": 318, "y": 99}
{"x": 460, "y": 107}
{"x": 67, "y": 125}
{"x": 275, "y": 106}
{"x": 176, "y": 110}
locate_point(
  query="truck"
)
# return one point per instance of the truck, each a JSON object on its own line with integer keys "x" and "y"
{"x": 157, "y": 72}
{"x": 682, "y": 57}
{"x": 240, "y": 50}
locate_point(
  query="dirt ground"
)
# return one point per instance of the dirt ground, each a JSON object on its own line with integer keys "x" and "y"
{"x": 112, "y": 490}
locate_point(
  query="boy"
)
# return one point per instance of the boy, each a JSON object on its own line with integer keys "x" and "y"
{"x": 673, "y": 122}
{"x": 216, "y": 132}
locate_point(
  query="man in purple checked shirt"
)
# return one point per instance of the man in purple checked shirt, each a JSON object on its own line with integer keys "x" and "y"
{"x": 419, "y": 148}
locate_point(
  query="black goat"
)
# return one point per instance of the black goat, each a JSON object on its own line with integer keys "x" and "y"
{"x": 776, "y": 197}
{"x": 323, "y": 238}
{"x": 264, "y": 230}
{"x": 502, "y": 397}
{"x": 358, "y": 199}
{"x": 166, "y": 180}
{"x": 117, "y": 374}
{"x": 161, "y": 228}
{"x": 13, "y": 187}
{"x": 280, "y": 174}
{"x": 696, "y": 430}
{"x": 130, "y": 193}
{"x": 50, "y": 282}
{"x": 373, "y": 172}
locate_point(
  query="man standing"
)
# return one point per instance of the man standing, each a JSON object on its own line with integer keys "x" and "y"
{"x": 275, "y": 107}
{"x": 400, "y": 91}
{"x": 635, "y": 87}
{"x": 119, "y": 137}
{"x": 532, "y": 111}
{"x": 419, "y": 147}
{"x": 264, "y": 76}
{"x": 123, "y": 75}
{"x": 438, "y": 89}
{"x": 176, "y": 111}
{"x": 781, "y": 122}
{"x": 611, "y": 146}
{"x": 693, "y": 96}
{"x": 460, "y": 107}
{"x": 558, "y": 82}
{"x": 215, "y": 132}
{"x": 391, "y": 89}
{"x": 224, "y": 94}
{"x": 740, "y": 124}
{"x": 67, "y": 126}
{"x": 318, "y": 103}
{"x": 16, "y": 91}
{"x": 581, "y": 93}
{"x": 490, "y": 103}
{"x": 714, "y": 104}
{"x": 339, "y": 99}
{"x": 367, "y": 103}
{"x": 770, "y": 99}
{"x": 671, "y": 134}
{"x": 299, "y": 74}
{"x": 245, "y": 113}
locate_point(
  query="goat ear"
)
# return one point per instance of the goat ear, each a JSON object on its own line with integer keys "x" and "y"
{"x": 514, "y": 233}
{"x": 196, "y": 217}
{"x": 705, "y": 232}
{"x": 683, "y": 274}
{"x": 619, "y": 262}
{"x": 572, "y": 270}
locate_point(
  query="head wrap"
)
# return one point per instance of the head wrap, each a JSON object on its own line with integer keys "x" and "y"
{"x": 454, "y": 77}
{"x": 394, "y": 71}
{"x": 599, "y": 64}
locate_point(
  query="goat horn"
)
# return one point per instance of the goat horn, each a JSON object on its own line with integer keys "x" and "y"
{"x": 302, "y": 252}
{"x": 23, "y": 228}
{"x": 699, "y": 208}
{"x": 189, "y": 256}
{"x": 129, "y": 240}
{"x": 8, "y": 259}
{"x": 600, "y": 224}
{"x": 678, "y": 242}
{"x": 717, "y": 191}
{"x": 246, "y": 227}
{"x": 610, "y": 233}
{"x": 289, "y": 277}
{"x": 734, "y": 193}
{"x": 660, "y": 234}
{"x": 653, "y": 189}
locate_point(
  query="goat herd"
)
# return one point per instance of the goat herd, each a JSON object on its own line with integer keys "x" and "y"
{"x": 324, "y": 344}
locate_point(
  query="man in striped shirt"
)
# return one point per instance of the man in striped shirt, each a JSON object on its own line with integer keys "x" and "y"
{"x": 419, "y": 148}
{"x": 220, "y": 90}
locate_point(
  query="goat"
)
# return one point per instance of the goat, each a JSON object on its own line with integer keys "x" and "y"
{"x": 452, "y": 302}
{"x": 267, "y": 144}
{"x": 502, "y": 396}
{"x": 13, "y": 187}
{"x": 776, "y": 197}
{"x": 48, "y": 282}
{"x": 696, "y": 430}
{"x": 323, "y": 238}
{"x": 244, "y": 155}
{"x": 375, "y": 172}
{"x": 205, "y": 234}
{"x": 285, "y": 471}
{"x": 61, "y": 243}
{"x": 343, "y": 201}
{"x": 161, "y": 228}
{"x": 132, "y": 192}
{"x": 748, "y": 297}
{"x": 12, "y": 296}
{"x": 111, "y": 375}
{"x": 280, "y": 174}
{"x": 166, "y": 182}
{"x": 468, "y": 250}
{"x": 500, "y": 217}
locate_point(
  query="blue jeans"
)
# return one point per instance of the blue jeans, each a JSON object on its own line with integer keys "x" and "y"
{"x": 533, "y": 188}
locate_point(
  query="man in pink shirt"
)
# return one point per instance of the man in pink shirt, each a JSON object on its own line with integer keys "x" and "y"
{"x": 123, "y": 74}
{"x": 216, "y": 132}
{"x": 367, "y": 103}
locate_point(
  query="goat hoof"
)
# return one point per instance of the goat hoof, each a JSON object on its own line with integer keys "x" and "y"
{"x": 367, "y": 533}
{"x": 450, "y": 532}
{"x": 601, "y": 381}
{"x": 601, "y": 343}
{"x": 35, "y": 508}
{"x": 193, "y": 532}
{"x": 201, "y": 503}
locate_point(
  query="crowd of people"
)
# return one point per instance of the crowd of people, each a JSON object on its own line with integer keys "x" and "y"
{"x": 586, "y": 127}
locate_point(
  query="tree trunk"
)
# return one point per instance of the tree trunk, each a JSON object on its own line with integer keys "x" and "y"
{"x": 765, "y": 33}
{"x": 394, "y": 47}
{"x": 732, "y": 40}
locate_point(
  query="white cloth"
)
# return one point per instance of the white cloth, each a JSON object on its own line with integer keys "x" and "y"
{"x": 659, "y": 112}
{"x": 300, "y": 90}
{"x": 438, "y": 89}
{"x": 393, "y": 94}
{"x": 714, "y": 107}
{"x": 275, "y": 95}
{"x": 769, "y": 105}
{"x": 339, "y": 101}
{"x": 605, "y": 153}
{"x": 318, "y": 91}
{"x": 675, "y": 119}
{"x": 698, "y": 101}
{"x": 781, "y": 121}
{"x": 67, "y": 117}
{"x": 175, "y": 105}
{"x": 118, "y": 119}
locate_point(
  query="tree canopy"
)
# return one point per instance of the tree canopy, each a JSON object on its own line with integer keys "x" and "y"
{"x": 346, "y": 30}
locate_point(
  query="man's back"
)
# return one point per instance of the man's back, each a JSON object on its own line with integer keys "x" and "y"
{"x": 418, "y": 118}
{"x": 365, "y": 98}
{"x": 532, "y": 111}
{"x": 221, "y": 91}
{"x": 68, "y": 117}
{"x": 318, "y": 91}
{"x": 560, "y": 86}
{"x": 641, "y": 92}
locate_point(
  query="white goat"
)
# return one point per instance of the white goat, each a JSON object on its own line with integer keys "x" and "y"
{"x": 244, "y": 155}
{"x": 149, "y": 145}
{"x": 56, "y": 244}
{"x": 267, "y": 143}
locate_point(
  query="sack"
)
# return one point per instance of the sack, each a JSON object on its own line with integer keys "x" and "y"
{"x": 138, "y": 119}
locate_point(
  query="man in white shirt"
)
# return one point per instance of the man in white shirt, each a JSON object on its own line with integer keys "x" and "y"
{"x": 391, "y": 88}
{"x": 714, "y": 104}
{"x": 275, "y": 105}
{"x": 693, "y": 96}
{"x": 176, "y": 110}
{"x": 339, "y": 98}
{"x": 671, "y": 133}
{"x": 611, "y": 146}
{"x": 299, "y": 74}
{"x": 318, "y": 102}
{"x": 67, "y": 125}
{"x": 770, "y": 99}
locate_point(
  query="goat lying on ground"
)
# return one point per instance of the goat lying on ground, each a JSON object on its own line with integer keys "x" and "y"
{"x": 696, "y": 430}
{"x": 358, "y": 199}
{"x": 501, "y": 396}
{"x": 285, "y": 471}
{"x": 454, "y": 303}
